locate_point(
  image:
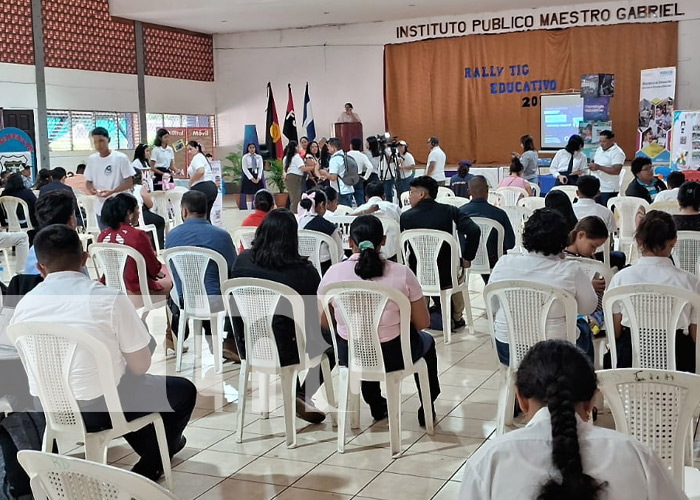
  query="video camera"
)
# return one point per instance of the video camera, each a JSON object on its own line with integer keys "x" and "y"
{"x": 385, "y": 140}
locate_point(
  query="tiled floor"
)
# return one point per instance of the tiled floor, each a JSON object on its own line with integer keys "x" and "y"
{"x": 214, "y": 467}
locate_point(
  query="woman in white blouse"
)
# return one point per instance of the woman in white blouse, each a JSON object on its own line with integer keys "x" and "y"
{"x": 569, "y": 162}
{"x": 560, "y": 454}
{"x": 294, "y": 168}
{"x": 201, "y": 176}
{"x": 253, "y": 177}
{"x": 162, "y": 158}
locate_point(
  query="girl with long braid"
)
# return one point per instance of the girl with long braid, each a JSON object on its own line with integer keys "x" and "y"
{"x": 560, "y": 455}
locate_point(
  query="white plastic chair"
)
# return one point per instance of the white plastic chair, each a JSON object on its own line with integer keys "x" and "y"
{"x": 532, "y": 202}
{"x": 47, "y": 351}
{"x": 569, "y": 190}
{"x": 110, "y": 261}
{"x": 656, "y": 407}
{"x": 517, "y": 215}
{"x": 14, "y": 223}
{"x": 455, "y": 201}
{"x": 496, "y": 199}
{"x": 311, "y": 243}
{"x": 89, "y": 222}
{"x": 670, "y": 207}
{"x": 175, "y": 199}
{"x": 535, "y": 188}
{"x": 526, "y": 306}
{"x": 161, "y": 203}
{"x": 392, "y": 232}
{"x": 149, "y": 228}
{"x": 189, "y": 264}
{"x": 343, "y": 210}
{"x": 626, "y": 212}
{"x": 687, "y": 251}
{"x": 67, "y": 478}
{"x": 256, "y": 301}
{"x": 480, "y": 264}
{"x": 405, "y": 199}
{"x": 653, "y": 312}
{"x": 361, "y": 304}
{"x": 424, "y": 245}
{"x": 444, "y": 192}
{"x": 511, "y": 195}
{"x": 243, "y": 237}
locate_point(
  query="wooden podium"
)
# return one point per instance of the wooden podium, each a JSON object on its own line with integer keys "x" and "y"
{"x": 348, "y": 131}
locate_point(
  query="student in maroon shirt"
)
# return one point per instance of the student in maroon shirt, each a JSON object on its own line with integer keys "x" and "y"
{"x": 120, "y": 213}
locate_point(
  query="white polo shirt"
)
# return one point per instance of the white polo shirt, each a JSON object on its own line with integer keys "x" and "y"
{"x": 162, "y": 157}
{"x": 295, "y": 165}
{"x": 607, "y": 158}
{"x": 72, "y": 299}
{"x": 515, "y": 465}
{"x": 440, "y": 158}
{"x": 390, "y": 211}
{"x": 364, "y": 166}
{"x": 586, "y": 207}
{"x": 549, "y": 270}
{"x": 337, "y": 166}
{"x": 667, "y": 195}
{"x": 657, "y": 271}
{"x": 107, "y": 173}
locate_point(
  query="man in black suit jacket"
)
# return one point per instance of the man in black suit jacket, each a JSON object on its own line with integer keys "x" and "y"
{"x": 426, "y": 213}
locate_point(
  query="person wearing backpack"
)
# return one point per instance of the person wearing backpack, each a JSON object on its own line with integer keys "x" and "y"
{"x": 342, "y": 172}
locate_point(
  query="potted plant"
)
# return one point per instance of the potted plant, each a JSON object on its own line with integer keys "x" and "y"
{"x": 275, "y": 176}
{"x": 231, "y": 174}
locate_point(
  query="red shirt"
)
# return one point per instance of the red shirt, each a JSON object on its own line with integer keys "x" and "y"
{"x": 253, "y": 220}
{"x": 139, "y": 241}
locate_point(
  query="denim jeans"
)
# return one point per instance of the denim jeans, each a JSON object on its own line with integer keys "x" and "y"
{"x": 359, "y": 193}
{"x": 345, "y": 199}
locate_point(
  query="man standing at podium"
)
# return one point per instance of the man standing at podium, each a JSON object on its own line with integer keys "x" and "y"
{"x": 349, "y": 116}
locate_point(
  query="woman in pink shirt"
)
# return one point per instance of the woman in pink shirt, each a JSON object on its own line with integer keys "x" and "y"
{"x": 366, "y": 263}
{"x": 515, "y": 179}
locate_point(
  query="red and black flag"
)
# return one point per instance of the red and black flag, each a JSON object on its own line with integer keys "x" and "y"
{"x": 273, "y": 135}
{"x": 290, "y": 121}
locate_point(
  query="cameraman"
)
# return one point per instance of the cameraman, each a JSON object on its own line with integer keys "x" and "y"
{"x": 406, "y": 168}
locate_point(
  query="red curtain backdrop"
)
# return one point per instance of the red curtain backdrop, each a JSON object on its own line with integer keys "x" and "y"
{"x": 426, "y": 92}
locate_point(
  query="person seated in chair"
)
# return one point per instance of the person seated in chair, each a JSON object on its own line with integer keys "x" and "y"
{"x": 68, "y": 297}
{"x": 480, "y": 207}
{"x": 644, "y": 185}
{"x": 426, "y": 213}
{"x": 312, "y": 209}
{"x": 545, "y": 236}
{"x": 367, "y": 264}
{"x": 559, "y": 454}
{"x": 274, "y": 256}
{"x": 197, "y": 231}
{"x": 656, "y": 236}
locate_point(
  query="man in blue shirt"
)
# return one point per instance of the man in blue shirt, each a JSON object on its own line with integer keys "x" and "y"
{"x": 197, "y": 231}
{"x": 54, "y": 207}
{"x": 479, "y": 206}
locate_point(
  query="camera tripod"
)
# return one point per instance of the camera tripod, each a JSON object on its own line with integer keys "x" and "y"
{"x": 386, "y": 173}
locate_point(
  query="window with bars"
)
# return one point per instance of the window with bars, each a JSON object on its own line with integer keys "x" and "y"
{"x": 155, "y": 121}
{"x": 70, "y": 130}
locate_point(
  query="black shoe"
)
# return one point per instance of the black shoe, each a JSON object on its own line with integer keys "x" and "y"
{"x": 179, "y": 447}
{"x": 459, "y": 324}
{"x": 148, "y": 470}
{"x": 421, "y": 417}
{"x": 307, "y": 411}
{"x": 379, "y": 411}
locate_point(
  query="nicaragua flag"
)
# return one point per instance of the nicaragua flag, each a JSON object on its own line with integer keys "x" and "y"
{"x": 308, "y": 122}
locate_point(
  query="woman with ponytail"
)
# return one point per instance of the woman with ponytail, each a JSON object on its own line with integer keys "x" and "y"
{"x": 560, "y": 455}
{"x": 366, "y": 263}
{"x": 312, "y": 209}
{"x": 656, "y": 236}
{"x": 201, "y": 175}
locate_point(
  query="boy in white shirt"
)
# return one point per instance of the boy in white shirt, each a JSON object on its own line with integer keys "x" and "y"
{"x": 107, "y": 173}
{"x": 674, "y": 181}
